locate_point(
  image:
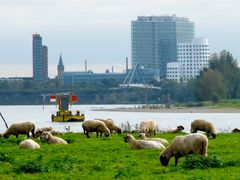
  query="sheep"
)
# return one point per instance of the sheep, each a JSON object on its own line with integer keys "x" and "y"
{"x": 95, "y": 126}
{"x": 111, "y": 126}
{"x": 142, "y": 144}
{"x": 52, "y": 139}
{"x": 203, "y": 125}
{"x": 161, "y": 140}
{"x": 39, "y": 131}
{"x": 184, "y": 145}
{"x": 236, "y": 130}
{"x": 148, "y": 127}
{"x": 20, "y": 128}
{"x": 56, "y": 132}
{"x": 29, "y": 144}
{"x": 176, "y": 130}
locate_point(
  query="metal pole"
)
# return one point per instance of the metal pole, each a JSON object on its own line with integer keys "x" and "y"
{"x": 4, "y": 120}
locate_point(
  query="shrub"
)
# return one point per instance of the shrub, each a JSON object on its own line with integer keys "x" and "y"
{"x": 198, "y": 161}
{"x": 5, "y": 157}
{"x": 30, "y": 166}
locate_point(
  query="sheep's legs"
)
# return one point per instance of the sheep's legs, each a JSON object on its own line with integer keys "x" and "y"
{"x": 176, "y": 160}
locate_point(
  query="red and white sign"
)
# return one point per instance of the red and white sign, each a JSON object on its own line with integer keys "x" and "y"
{"x": 52, "y": 98}
{"x": 74, "y": 98}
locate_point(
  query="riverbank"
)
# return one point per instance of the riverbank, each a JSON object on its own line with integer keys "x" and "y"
{"x": 173, "y": 110}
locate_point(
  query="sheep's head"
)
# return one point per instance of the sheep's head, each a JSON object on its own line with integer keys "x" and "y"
{"x": 106, "y": 134}
{"x": 119, "y": 131}
{"x": 180, "y": 127}
{"x": 214, "y": 135}
{"x": 128, "y": 137}
{"x": 164, "y": 159}
{"x": 5, "y": 136}
{"x": 45, "y": 135}
{"x": 142, "y": 135}
{"x": 38, "y": 133}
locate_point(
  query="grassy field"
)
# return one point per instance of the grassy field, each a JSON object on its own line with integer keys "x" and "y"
{"x": 111, "y": 158}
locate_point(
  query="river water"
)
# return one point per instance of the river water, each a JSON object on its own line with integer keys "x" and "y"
{"x": 42, "y": 117}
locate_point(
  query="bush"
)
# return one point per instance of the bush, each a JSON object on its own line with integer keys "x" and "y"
{"x": 5, "y": 157}
{"x": 31, "y": 166}
{"x": 198, "y": 161}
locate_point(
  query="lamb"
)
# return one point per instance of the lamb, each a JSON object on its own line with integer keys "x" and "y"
{"x": 176, "y": 130}
{"x": 52, "y": 139}
{"x": 148, "y": 127}
{"x": 184, "y": 145}
{"x": 20, "y": 128}
{"x": 161, "y": 140}
{"x": 56, "y": 132}
{"x": 202, "y": 125}
{"x": 29, "y": 144}
{"x": 95, "y": 126}
{"x": 142, "y": 144}
{"x": 39, "y": 131}
{"x": 111, "y": 126}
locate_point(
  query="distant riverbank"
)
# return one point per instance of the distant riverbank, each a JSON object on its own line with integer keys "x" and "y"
{"x": 174, "y": 110}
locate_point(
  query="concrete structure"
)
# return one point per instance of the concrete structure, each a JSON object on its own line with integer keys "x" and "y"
{"x": 40, "y": 59}
{"x": 193, "y": 56}
{"x": 154, "y": 40}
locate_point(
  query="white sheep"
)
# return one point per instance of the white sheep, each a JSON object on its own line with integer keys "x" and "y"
{"x": 56, "y": 132}
{"x": 176, "y": 130}
{"x": 203, "y": 125}
{"x": 95, "y": 126}
{"x": 148, "y": 127}
{"x": 161, "y": 140}
{"x": 111, "y": 126}
{"x": 142, "y": 144}
{"x": 20, "y": 128}
{"x": 52, "y": 139}
{"x": 29, "y": 144}
{"x": 39, "y": 131}
{"x": 184, "y": 145}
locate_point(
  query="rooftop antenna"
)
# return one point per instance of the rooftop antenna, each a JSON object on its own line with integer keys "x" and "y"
{"x": 85, "y": 65}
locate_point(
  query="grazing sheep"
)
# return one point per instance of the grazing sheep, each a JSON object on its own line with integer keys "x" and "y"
{"x": 148, "y": 127}
{"x": 29, "y": 144}
{"x": 161, "y": 140}
{"x": 52, "y": 139}
{"x": 176, "y": 130}
{"x": 39, "y": 131}
{"x": 184, "y": 145}
{"x": 111, "y": 126}
{"x": 142, "y": 144}
{"x": 236, "y": 130}
{"x": 95, "y": 126}
{"x": 202, "y": 125}
{"x": 20, "y": 128}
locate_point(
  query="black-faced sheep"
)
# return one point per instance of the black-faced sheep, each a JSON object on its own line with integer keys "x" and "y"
{"x": 111, "y": 126}
{"x": 161, "y": 140}
{"x": 95, "y": 126}
{"x": 176, "y": 130}
{"x": 52, "y": 139}
{"x": 203, "y": 125}
{"x": 142, "y": 144}
{"x": 29, "y": 144}
{"x": 39, "y": 131}
{"x": 148, "y": 127}
{"x": 236, "y": 130}
{"x": 184, "y": 145}
{"x": 20, "y": 128}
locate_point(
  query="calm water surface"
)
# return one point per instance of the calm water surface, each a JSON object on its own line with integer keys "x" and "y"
{"x": 42, "y": 117}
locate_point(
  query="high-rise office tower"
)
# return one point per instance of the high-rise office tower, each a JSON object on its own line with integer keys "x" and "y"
{"x": 40, "y": 59}
{"x": 60, "y": 68}
{"x": 154, "y": 40}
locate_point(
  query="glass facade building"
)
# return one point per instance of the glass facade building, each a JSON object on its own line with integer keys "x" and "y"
{"x": 40, "y": 59}
{"x": 154, "y": 40}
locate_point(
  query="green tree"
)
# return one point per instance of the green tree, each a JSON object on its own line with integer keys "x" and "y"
{"x": 208, "y": 83}
{"x": 228, "y": 67}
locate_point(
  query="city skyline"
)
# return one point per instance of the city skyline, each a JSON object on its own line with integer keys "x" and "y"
{"x": 101, "y": 32}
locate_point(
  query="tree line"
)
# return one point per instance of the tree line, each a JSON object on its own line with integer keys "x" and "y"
{"x": 220, "y": 81}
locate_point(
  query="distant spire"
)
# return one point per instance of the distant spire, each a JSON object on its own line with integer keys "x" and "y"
{"x": 60, "y": 68}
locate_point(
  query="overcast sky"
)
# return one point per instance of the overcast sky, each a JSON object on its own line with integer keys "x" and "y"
{"x": 99, "y": 30}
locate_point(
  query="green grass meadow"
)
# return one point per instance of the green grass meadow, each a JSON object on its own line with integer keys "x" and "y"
{"x": 112, "y": 158}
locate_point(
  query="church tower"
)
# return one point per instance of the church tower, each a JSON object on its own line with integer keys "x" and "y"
{"x": 60, "y": 68}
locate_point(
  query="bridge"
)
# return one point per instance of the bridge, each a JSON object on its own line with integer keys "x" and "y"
{"x": 136, "y": 79}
